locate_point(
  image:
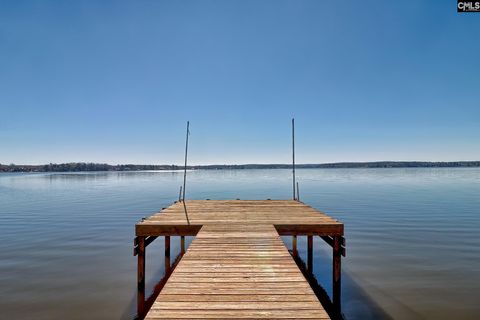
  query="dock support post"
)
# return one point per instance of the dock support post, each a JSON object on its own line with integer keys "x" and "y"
{"x": 294, "y": 245}
{"x": 337, "y": 274}
{"x": 310, "y": 254}
{"x": 141, "y": 276}
{"x": 182, "y": 245}
{"x": 167, "y": 254}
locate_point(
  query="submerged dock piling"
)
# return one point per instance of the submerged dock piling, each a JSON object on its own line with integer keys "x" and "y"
{"x": 310, "y": 253}
{"x": 182, "y": 245}
{"x": 167, "y": 254}
{"x": 140, "y": 275}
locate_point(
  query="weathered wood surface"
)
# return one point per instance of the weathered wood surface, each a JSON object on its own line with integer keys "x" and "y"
{"x": 289, "y": 217}
{"x": 237, "y": 267}
{"x": 237, "y": 271}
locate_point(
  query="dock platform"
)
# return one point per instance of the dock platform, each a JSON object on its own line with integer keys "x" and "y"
{"x": 237, "y": 266}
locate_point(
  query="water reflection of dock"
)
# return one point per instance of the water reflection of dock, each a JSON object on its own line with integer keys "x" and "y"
{"x": 237, "y": 266}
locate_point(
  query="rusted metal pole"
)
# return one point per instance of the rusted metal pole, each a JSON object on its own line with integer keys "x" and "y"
{"x": 167, "y": 254}
{"x": 310, "y": 254}
{"x": 294, "y": 245}
{"x": 337, "y": 274}
{"x": 182, "y": 245}
{"x": 141, "y": 276}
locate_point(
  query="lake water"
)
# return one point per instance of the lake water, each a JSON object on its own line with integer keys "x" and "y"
{"x": 413, "y": 237}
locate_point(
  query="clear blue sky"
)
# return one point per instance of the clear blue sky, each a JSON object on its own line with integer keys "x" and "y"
{"x": 115, "y": 82}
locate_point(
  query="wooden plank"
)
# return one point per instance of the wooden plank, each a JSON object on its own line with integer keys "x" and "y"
{"x": 289, "y": 217}
{"x": 236, "y": 305}
{"x": 239, "y": 279}
{"x": 310, "y": 229}
{"x": 234, "y": 291}
{"x": 144, "y": 229}
{"x": 236, "y": 297}
{"x": 236, "y": 314}
{"x": 225, "y": 274}
{"x": 184, "y": 273}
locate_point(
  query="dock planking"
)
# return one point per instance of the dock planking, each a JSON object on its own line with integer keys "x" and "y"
{"x": 289, "y": 217}
{"x": 237, "y": 267}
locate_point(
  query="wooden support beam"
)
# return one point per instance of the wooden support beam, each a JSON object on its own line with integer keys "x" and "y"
{"x": 321, "y": 229}
{"x": 148, "y": 240}
{"x": 310, "y": 253}
{"x": 152, "y": 229}
{"x": 294, "y": 245}
{"x": 167, "y": 254}
{"x": 140, "y": 276}
{"x": 182, "y": 245}
{"x": 337, "y": 275}
{"x": 329, "y": 240}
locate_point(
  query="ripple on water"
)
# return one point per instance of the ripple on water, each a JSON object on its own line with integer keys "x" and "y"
{"x": 413, "y": 249}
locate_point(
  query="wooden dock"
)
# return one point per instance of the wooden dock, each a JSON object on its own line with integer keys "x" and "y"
{"x": 237, "y": 267}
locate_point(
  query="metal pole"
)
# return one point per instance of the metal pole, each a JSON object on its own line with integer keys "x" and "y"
{"x": 185, "y": 168}
{"x": 298, "y": 193}
{"x": 293, "y": 156}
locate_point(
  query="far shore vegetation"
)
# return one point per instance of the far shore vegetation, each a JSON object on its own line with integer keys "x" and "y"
{"x": 82, "y": 166}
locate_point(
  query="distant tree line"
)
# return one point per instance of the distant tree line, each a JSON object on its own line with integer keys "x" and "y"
{"x": 395, "y": 164}
{"x": 378, "y": 164}
{"x": 82, "y": 166}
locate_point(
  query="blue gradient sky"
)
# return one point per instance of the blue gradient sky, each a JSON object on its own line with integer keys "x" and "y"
{"x": 112, "y": 81}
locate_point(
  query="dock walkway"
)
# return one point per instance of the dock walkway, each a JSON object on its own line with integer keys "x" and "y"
{"x": 237, "y": 267}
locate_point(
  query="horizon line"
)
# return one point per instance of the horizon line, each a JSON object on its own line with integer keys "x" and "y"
{"x": 243, "y": 164}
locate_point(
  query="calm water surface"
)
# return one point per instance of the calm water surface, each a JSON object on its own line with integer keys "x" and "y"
{"x": 413, "y": 245}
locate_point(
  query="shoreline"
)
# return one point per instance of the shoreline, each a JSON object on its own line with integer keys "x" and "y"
{"x": 99, "y": 167}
